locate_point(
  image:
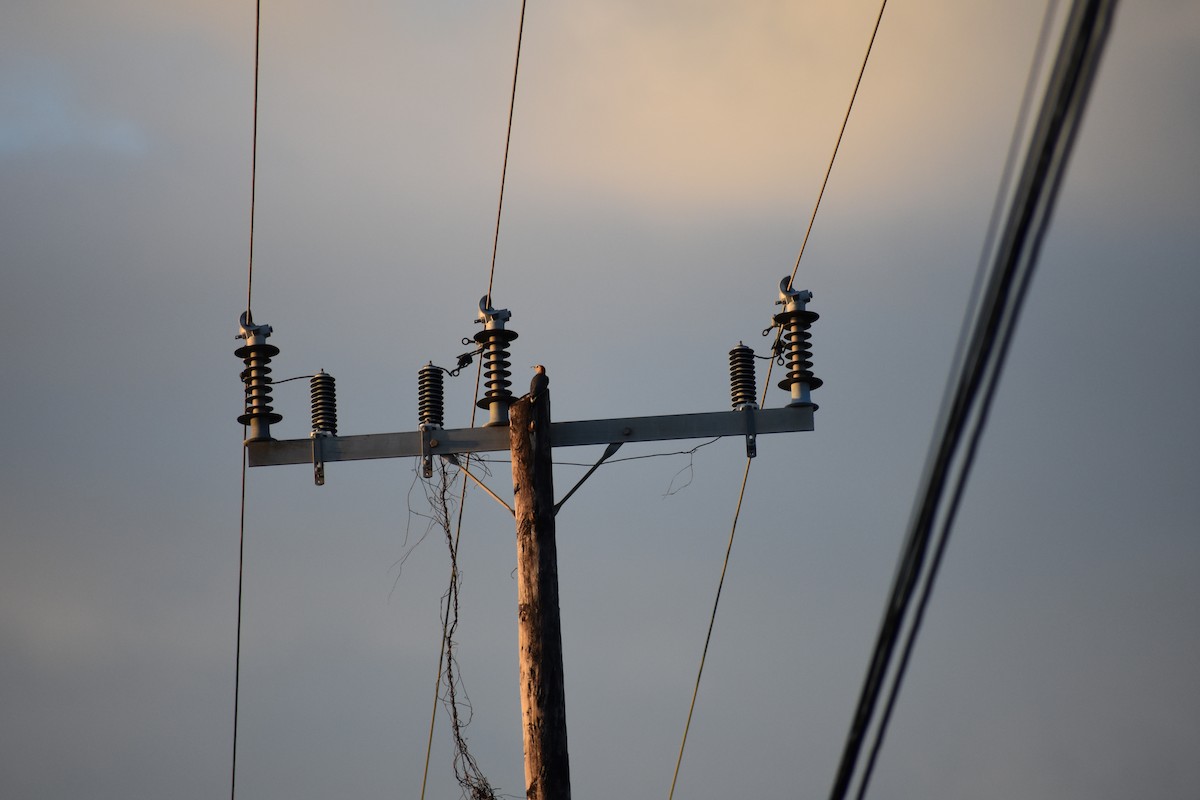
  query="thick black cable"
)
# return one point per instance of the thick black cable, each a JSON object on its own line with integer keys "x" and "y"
{"x": 1005, "y": 185}
{"x": 1002, "y": 192}
{"x": 971, "y": 389}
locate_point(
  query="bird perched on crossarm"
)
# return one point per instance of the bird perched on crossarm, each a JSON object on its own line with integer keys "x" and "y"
{"x": 539, "y": 384}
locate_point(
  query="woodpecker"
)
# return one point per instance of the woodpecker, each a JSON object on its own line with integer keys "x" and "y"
{"x": 539, "y": 384}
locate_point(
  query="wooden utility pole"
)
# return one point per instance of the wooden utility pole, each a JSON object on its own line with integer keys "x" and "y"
{"x": 539, "y": 628}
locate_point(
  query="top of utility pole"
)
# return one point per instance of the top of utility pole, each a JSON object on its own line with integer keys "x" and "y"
{"x": 523, "y": 426}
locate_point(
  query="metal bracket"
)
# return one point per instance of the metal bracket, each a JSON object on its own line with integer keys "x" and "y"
{"x": 751, "y": 435}
{"x": 318, "y": 460}
{"x": 427, "y": 445}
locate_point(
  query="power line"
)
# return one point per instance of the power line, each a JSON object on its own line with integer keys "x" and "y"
{"x": 237, "y": 658}
{"x": 712, "y": 621}
{"x": 849, "y": 107}
{"x": 512, "y": 102}
{"x": 253, "y": 158}
{"x": 825, "y": 180}
{"x": 972, "y": 385}
{"x": 766, "y": 384}
{"x": 445, "y": 657}
{"x": 1039, "y": 52}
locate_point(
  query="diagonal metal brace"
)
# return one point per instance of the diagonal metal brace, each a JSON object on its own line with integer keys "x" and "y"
{"x": 453, "y": 459}
{"x": 608, "y": 451}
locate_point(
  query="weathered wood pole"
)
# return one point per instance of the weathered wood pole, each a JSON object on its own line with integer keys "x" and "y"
{"x": 539, "y": 629}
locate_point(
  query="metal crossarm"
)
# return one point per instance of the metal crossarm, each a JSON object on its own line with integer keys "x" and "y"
{"x": 562, "y": 434}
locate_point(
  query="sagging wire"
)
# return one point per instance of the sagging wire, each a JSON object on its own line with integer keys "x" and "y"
{"x": 431, "y": 523}
{"x": 470, "y": 777}
{"x": 690, "y": 469}
{"x": 294, "y": 378}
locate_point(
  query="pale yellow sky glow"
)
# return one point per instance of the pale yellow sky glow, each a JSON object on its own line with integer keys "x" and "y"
{"x": 718, "y": 103}
{"x": 661, "y": 106}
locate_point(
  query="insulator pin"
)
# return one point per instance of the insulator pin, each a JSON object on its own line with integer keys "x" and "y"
{"x": 742, "y": 387}
{"x": 430, "y": 397}
{"x": 256, "y": 377}
{"x": 796, "y": 343}
{"x": 323, "y": 391}
{"x": 494, "y": 341}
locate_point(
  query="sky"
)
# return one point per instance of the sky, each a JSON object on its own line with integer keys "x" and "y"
{"x": 665, "y": 158}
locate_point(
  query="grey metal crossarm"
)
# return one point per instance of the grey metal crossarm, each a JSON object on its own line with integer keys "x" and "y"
{"x": 562, "y": 434}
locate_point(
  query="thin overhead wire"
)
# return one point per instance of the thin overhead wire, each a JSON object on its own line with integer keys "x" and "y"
{"x": 689, "y": 452}
{"x": 437, "y": 693}
{"x": 237, "y": 658}
{"x": 253, "y": 158}
{"x": 462, "y": 500}
{"x": 443, "y": 647}
{"x": 972, "y": 386}
{"x": 712, "y": 621}
{"x": 512, "y": 103}
{"x": 766, "y": 384}
{"x": 841, "y": 132}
